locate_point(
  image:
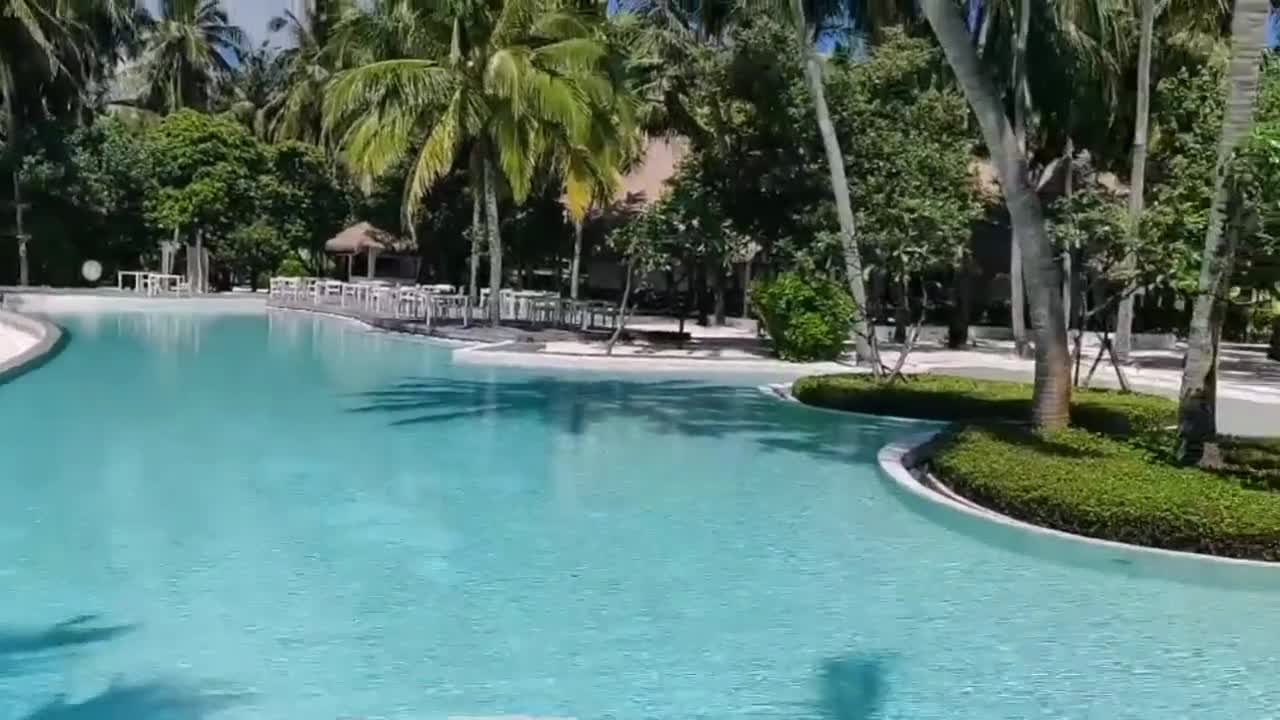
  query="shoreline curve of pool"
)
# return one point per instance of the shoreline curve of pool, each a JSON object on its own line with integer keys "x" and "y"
{"x": 249, "y": 516}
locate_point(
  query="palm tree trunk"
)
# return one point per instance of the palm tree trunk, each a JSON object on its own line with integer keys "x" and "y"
{"x": 718, "y": 294}
{"x": 477, "y": 233}
{"x": 1017, "y": 288}
{"x": 1138, "y": 173}
{"x": 1067, "y": 269}
{"x": 495, "y": 242}
{"x": 1197, "y": 412}
{"x": 575, "y": 265}
{"x": 20, "y": 228}
{"x": 839, "y": 186}
{"x": 1052, "y": 398}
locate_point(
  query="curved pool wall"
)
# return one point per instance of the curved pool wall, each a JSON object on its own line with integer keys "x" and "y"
{"x": 234, "y": 517}
{"x": 25, "y": 343}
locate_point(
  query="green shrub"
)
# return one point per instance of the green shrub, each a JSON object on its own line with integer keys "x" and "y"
{"x": 1087, "y": 484}
{"x": 291, "y": 267}
{"x": 808, "y": 318}
{"x": 1254, "y": 460}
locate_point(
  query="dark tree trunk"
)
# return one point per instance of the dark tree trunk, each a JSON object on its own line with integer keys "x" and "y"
{"x": 960, "y": 295}
{"x": 718, "y": 289}
{"x": 495, "y": 242}
{"x": 901, "y": 311}
{"x": 1274, "y": 351}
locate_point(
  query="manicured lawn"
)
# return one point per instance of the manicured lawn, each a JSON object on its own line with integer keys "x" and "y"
{"x": 1110, "y": 476}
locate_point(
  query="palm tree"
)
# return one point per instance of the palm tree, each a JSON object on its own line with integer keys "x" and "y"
{"x": 1076, "y": 46}
{"x": 34, "y": 37}
{"x": 1197, "y": 412}
{"x": 806, "y": 27}
{"x": 507, "y": 84}
{"x": 189, "y": 47}
{"x": 1052, "y": 397}
{"x": 1185, "y": 18}
{"x": 308, "y": 67}
{"x": 592, "y": 177}
{"x": 1138, "y": 171}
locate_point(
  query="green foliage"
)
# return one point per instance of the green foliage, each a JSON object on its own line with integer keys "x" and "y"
{"x": 88, "y": 189}
{"x": 300, "y": 197}
{"x": 255, "y": 248}
{"x": 908, "y": 149}
{"x": 206, "y": 170}
{"x": 1087, "y": 484}
{"x": 292, "y": 267}
{"x": 808, "y": 318}
{"x": 1255, "y": 460}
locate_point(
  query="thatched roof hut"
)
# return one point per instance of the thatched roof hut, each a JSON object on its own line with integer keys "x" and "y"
{"x": 362, "y": 237}
{"x": 369, "y": 240}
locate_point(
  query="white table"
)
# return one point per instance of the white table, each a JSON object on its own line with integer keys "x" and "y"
{"x": 139, "y": 279}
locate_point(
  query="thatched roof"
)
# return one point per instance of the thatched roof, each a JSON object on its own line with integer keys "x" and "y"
{"x": 364, "y": 236}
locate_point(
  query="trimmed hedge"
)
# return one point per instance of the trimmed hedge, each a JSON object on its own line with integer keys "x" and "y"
{"x": 1110, "y": 476}
{"x": 1083, "y": 483}
{"x": 1255, "y": 460}
{"x": 1144, "y": 418}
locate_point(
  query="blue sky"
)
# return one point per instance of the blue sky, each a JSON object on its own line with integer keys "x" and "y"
{"x": 252, "y": 15}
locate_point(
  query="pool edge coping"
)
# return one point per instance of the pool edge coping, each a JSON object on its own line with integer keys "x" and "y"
{"x": 902, "y": 461}
{"x": 49, "y": 340}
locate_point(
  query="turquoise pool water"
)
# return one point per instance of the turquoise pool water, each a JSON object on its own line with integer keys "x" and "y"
{"x": 237, "y": 517}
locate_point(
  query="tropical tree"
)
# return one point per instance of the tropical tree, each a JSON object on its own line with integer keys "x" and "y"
{"x": 35, "y": 36}
{"x": 1052, "y": 395}
{"x": 806, "y": 24}
{"x": 511, "y": 84}
{"x": 189, "y": 47}
{"x": 308, "y": 67}
{"x": 1197, "y": 416}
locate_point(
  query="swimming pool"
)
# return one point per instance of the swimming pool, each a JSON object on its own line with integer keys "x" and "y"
{"x": 235, "y": 517}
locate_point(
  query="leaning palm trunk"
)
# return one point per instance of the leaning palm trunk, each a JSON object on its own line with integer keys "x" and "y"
{"x": 862, "y": 339}
{"x": 495, "y": 242}
{"x": 1052, "y": 398}
{"x": 574, "y": 267}
{"x": 1138, "y": 174}
{"x": 1197, "y": 412}
{"x": 1017, "y": 288}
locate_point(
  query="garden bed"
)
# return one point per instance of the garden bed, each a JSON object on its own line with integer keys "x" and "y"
{"x": 1110, "y": 476}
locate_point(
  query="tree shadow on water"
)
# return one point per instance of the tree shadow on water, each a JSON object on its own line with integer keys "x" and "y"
{"x": 849, "y": 687}
{"x": 157, "y": 700}
{"x": 79, "y": 630}
{"x": 20, "y": 647}
{"x": 675, "y": 407}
